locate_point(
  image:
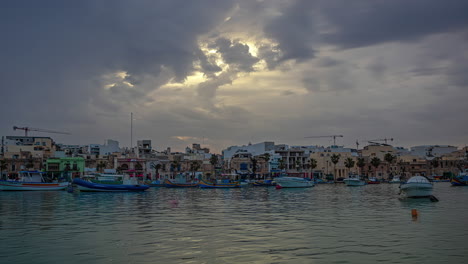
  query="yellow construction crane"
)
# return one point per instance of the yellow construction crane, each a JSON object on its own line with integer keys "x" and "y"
{"x": 26, "y": 129}
{"x": 330, "y": 136}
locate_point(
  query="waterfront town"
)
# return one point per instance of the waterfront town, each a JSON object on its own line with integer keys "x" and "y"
{"x": 262, "y": 160}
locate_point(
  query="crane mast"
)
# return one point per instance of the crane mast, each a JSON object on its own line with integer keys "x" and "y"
{"x": 27, "y": 129}
{"x": 329, "y": 136}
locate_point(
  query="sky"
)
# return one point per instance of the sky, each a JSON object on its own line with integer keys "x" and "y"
{"x": 230, "y": 72}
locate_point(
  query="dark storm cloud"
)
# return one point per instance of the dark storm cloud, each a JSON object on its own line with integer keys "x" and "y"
{"x": 54, "y": 53}
{"x": 235, "y": 54}
{"x": 294, "y": 31}
{"x": 368, "y": 22}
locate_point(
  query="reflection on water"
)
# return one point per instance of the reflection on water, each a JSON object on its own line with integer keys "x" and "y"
{"x": 324, "y": 224}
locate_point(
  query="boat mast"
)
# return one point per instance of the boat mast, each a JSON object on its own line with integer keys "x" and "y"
{"x": 131, "y": 132}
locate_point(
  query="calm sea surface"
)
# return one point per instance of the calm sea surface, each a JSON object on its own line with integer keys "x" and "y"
{"x": 323, "y": 224}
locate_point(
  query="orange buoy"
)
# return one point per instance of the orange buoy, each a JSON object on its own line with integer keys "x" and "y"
{"x": 414, "y": 213}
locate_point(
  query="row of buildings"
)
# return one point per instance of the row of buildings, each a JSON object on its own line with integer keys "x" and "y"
{"x": 263, "y": 159}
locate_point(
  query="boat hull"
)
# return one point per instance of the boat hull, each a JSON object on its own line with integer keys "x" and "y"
{"x": 417, "y": 189}
{"x": 32, "y": 186}
{"x": 96, "y": 187}
{"x": 293, "y": 182}
{"x": 354, "y": 182}
{"x": 459, "y": 181}
{"x": 205, "y": 184}
{"x": 170, "y": 184}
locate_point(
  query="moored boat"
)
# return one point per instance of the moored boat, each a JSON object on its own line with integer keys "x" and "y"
{"x": 172, "y": 184}
{"x": 417, "y": 186}
{"x": 89, "y": 186}
{"x": 264, "y": 183}
{"x": 395, "y": 179}
{"x": 461, "y": 179}
{"x": 32, "y": 181}
{"x": 373, "y": 180}
{"x": 354, "y": 180}
{"x": 293, "y": 182}
{"x": 206, "y": 184}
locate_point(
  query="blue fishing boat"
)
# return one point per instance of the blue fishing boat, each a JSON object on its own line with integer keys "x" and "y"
{"x": 89, "y": 186}
{"x": 264, "y": 183}
{"x": 172, "y": 184}
{"x": 461, "y": 179}
{"x": 206, "y": 184}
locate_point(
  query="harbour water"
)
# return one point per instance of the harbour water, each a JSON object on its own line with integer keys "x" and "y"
{"x": 329, "y": 223}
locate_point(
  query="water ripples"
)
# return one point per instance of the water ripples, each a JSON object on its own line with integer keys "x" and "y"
{"x": 324, "y": 224}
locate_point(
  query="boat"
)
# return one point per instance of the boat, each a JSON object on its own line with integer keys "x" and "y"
{"x": 156, "y": 183}
{"x": 373, "y": 180}
{"x": 219, "y": 184}
{"x": 395, "y": 179}
{"x": 180, "y": 181}
{"x": 264, "y": 183}
{"x": 354, "y": 180}
{"x": 32, "y": 181}
{"x": 417, "y": 186}
{"x": 293, "y": 182}
{"x": 461, "y": 179}
{"x": 173, "y": 184}
{"x": 129, "y": 184}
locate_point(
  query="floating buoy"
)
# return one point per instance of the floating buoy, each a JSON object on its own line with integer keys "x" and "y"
{"x": 278, "y": 187}
{"x": 414, "y": 213}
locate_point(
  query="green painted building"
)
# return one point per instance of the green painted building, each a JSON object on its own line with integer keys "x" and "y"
{"x": 65, "y": 167}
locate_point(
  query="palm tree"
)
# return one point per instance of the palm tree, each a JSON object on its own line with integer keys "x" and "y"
{"x": 389, "y": 158}
{"x": 349, "y": 163}
{"x": 311, "y": 164}
{"x": 174, "y": 165}
{"x": 360, "y": 163}
{"x": 156, "y": 167}
{"x": 3, "y": 166}
{"x": 334, "y": 159}
{"x": 434, "y": 164}
{"x": 266, "y": 157}
{"x": 214, "y": 162}
{"x": 282, "y": 165}
{"x": 101, "y": 165}
{"x": 254, "y": 167}
{"x": 194, "y": 166}
{"x": 375, "y": 162}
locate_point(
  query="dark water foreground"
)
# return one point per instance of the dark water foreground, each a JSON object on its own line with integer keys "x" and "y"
{"x": 324, "y": 224}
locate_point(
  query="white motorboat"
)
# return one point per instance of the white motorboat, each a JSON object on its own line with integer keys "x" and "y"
{"x": 417, "y": 186}
{"x": 395, "y": 179}
{"x": 354, "y": 180}
{"x": 293, "y": 182}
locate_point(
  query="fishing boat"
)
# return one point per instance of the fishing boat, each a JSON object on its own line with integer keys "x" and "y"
{"x": 373, "y": 180}
{"x": 32, "y": 181}
{"x": 461, "y": 179}
{"x": 354, "y": 180}
{"x": 156, "y": 183}
{"x": 172, "y": 184}
{"x": 395, "y": 179}
{"x": 219, "y": 184}
{"x": 417, "y": 186}
{"x": 180, "y": 181}
{"x": 264, "y": 183}
{"x": 293, "y": 182}
{"x": 111, "y": 183}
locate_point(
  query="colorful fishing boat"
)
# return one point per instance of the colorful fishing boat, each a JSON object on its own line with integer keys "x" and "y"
{"x": 32, "y": 181}
{"x": 461, "y": 179}
{"x": 264, "y": 183}
{"x": 173, "y": 184}
{"x": 88, "y": 186}
{"x": 221, "y": 184}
